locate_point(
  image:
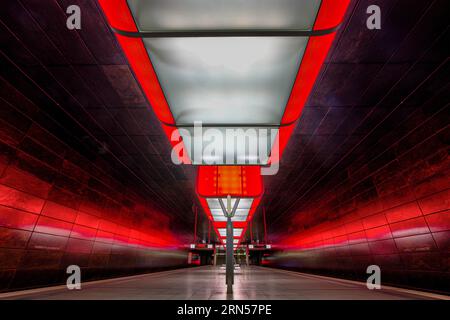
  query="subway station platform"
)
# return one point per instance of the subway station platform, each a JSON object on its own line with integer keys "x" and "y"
{"x": 206, "y": 283}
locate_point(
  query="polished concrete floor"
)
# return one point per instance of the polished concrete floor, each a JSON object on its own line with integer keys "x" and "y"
{"x": 208, "y": 283}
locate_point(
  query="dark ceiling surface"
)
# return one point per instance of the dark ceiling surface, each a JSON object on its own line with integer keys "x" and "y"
{"x": 372, "y": 81}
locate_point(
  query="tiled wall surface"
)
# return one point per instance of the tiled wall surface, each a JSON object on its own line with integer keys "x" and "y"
{"x": 82, "y": 180}
{"x": 59, "y": 208}
{"x": 366, "y": 175}
{"x": 402, "y": 225}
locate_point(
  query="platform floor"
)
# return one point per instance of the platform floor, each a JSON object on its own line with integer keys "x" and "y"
{"x": 208, "y": 283}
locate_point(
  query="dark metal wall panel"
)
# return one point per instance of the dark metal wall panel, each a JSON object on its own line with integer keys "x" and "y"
{"x": 370, "y": 184}
{"x": 85, "y": 174}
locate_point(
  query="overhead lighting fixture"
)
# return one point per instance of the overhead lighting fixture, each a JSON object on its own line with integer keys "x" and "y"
{"x": 236, "y": 232}
{"x": 220, "y": 181}
{"x": 226, "y": 64}
{"x": 217, "y": 182}
{"x": 230, "y": 65}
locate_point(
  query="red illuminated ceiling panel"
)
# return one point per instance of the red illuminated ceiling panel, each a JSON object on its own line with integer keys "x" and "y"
{"x": 243, "y": 182}
{"x": 221, "y": 181}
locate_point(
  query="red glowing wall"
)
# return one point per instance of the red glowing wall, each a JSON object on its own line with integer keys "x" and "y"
{"x": 59, "y": 208}
{"x": 402, "y": 225}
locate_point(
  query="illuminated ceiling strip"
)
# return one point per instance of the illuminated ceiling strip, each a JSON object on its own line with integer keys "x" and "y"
{"x": 236, "y": 225}
{"x": 236, "y": 232}
{"x": 244, "y": 203}
{"x": 222, "y": 238}
{"x": 243, "y": 211}
{"x": 241, "y": 215}
{"x": 235, "y": 81}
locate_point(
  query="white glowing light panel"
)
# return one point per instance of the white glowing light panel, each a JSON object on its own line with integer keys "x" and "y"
{"x": 241, "y": 213}
{"x": 233, "y": 80}
{"x": 236, "y": 232}
{"x": 223, "y": 14}
{"x": 226, "y": 80}
{"x": 222, "y": 232}
{"x": 231, "y": 145}
{"x": 244, "y": 203}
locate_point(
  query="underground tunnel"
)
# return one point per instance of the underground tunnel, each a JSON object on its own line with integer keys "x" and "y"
{"x": 246, "y": 150}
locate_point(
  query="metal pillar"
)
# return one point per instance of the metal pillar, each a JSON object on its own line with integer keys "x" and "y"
{"x": 229, "y": 258}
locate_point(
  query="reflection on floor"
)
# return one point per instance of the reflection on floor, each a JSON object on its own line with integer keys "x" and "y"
{"x": 208, "y": 283}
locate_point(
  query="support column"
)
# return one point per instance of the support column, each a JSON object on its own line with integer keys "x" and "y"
{"x": 229, "y": 257}
{"x": 229, "y": 213}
